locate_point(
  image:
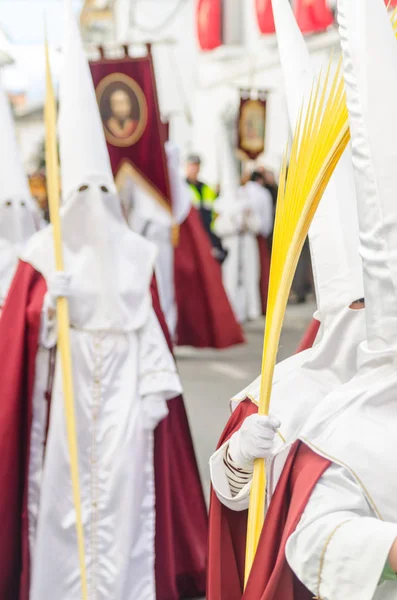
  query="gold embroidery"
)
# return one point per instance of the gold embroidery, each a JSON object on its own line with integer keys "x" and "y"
{"x": 95, "y": 413}
{"x": 356, "y": 477}
{"x": 322, "y": 558}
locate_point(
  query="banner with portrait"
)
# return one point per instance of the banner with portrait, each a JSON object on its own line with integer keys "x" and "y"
{"x": 128, "y": 104}
{"x": 251, "y": 125}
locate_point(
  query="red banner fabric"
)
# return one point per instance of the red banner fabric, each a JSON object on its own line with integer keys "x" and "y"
{"x": 127, "y": 99}
{"x": 251, "y": 126}
{"x": 264, "y": 15}
{"x": 312, "y": 15}
{"x": 209, "y": 24}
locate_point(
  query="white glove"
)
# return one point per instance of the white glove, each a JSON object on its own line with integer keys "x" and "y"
{"x": 253, "y": 440}
{"x": 58, "y": 286}
{"x": 155, "y": 409}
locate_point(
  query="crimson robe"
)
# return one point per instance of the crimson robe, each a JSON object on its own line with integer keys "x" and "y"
{"x": 264, "y": 258}
{"x": 205, "y": 317}
{"x": 309, "y": 336}
{"x": 181, "y": 549}
{"x": 271, "y": 577}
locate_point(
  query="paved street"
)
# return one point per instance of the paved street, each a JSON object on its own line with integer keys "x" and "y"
{"x": 210, "y": 378}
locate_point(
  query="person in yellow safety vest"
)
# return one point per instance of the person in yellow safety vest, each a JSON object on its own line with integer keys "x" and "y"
{"x": 203, "y": 199}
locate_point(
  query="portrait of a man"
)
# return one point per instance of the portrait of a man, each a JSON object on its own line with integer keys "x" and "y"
{"x": 123, "y": 109}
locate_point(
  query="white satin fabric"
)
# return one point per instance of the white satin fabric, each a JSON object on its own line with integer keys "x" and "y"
{"x": 150, "y": 219}
{"x": 238, "y": 225}
{"x": 300, "y": 385}
{"x": 339, "y": 548}
{"x": 117, "y": 373}
{"x": 123, "y": 374}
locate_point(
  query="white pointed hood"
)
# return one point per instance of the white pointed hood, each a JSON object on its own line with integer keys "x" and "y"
{"x": 17, "y": 211}
{"x": 356, "y": 425}
{"x": 301, "y": 382}
{"x": 334, "y": 232}
{"x": 110, "y": 266}
{"x": 83, "y": 151}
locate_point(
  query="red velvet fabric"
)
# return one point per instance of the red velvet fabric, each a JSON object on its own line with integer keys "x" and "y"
{"x": 19, "y": 331}
{"x": 264, "y": 256}
{"x": 313, "y": 15}
{"x": 271, "y": 577}
{"x": 264, "y": 16}
{"x": 147, "y": 154}
{"x": 205, "y": 317}
{"x": 181, "y": 513}
{"x": 309, "y": 336}
{"x": 209, "y": 24}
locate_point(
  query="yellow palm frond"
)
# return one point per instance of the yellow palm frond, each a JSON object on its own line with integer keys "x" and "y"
{"x": 321, "y": 136}
{"x": 51, "y": 150}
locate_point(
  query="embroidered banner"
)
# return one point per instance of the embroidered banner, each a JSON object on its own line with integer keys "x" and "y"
{"x": 251, "y": 125}
{"x": 127, "y": 98}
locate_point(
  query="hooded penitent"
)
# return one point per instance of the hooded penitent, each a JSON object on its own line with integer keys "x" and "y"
{"x": 17, "y": 212}
{"x": 356, "y": 425}
{"x": 123, "y": 374}
{"x": 301, "y": 381}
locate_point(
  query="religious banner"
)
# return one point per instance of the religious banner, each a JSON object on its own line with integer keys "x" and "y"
{"x": 313, "y": 15}
{"x": 264, "y": 16}
{"x": 251, "y": 125}
{"x": 127, "y": 98}
{"x": 209, "y": 24}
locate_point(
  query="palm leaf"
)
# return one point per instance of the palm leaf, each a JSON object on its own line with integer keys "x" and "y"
{"x": 321, "y": 136}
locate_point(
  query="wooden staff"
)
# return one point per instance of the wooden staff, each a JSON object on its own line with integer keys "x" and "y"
{"x": 51, "y": 151}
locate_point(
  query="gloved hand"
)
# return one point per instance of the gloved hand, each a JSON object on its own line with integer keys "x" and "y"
{"x": 58, "y": 286}
{"x": 155, "y": 409}
{"x": 253, "y": 440}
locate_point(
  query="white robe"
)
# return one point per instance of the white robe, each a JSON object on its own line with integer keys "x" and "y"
{"x": 238, "y": 224}
{"x": 241, "y": 269}
{"x": 115, "y": 375}
{"x": 340, "y": 548}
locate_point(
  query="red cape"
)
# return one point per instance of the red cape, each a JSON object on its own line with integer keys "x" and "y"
{"x": 181, "y": 549}
{"x": 309, "y": 336}
{"x": 271, "y": 577}
{"x": 205, "y": 317}
{"x": 181, "y": 512}
{"x": 264, "y": 257}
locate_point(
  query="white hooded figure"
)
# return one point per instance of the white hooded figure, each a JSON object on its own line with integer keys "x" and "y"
{"x": 159, "y": 224}
{"x": 243, "y": 213}
{"x": 123, "y": 373}
{"x": 301, "y": 382}
{"x": 345, "y": 545}
{"x": 18, "y": 214}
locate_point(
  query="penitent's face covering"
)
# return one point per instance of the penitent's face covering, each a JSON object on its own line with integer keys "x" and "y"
{"x": 109, "y": 265}
{"x": 303, "y": 381}
{"x": 17, "y": 225}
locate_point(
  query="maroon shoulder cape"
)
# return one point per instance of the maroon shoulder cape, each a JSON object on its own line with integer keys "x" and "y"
{"x": 181, "y": 513}
{"x": 309, "y": 336}
{"x": 19, "y": 332}
{"x": 181, "y": 524}
{"x": 271, "y": 577}
{"x": 205, "y": 317}
{"x": 264, "y": 258}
